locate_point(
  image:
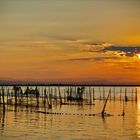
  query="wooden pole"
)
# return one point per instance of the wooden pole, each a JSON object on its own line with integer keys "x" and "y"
{"x": 15, "y": 94}
{"x": 114, "y": 93}
{"x": 3, "y": 98}
{"x": 0, "y": 96}
{"x": 55, "y": 95}
{"x": 110, "y": 94}
{"x": 126, "y": 99}
{"x": 136, "y": 94}
{"x": 21, "y": 96}
{"x": 100, "y": 93}
{"x": 120, "y": 93}
{"x": 93, "y": 94}
{"x": 51, "y": 95}
{"x": 65, "y": 97}
{"x": 90, "y": 96}
{"x": 105, "y": 103}
{"x": 45, "y": 96}
{"x": 7, "y": 94}
{"x": 123, "y": 109}
{"x": 42, "y": 95}
{"x": 103, "y": 93}
{"x": 27, "y": 95}
{"x": 49, "y": 105}
{"x": 37, "y": 96}
{"x": 132, "y": 93}
{"x": 60, "y": 95}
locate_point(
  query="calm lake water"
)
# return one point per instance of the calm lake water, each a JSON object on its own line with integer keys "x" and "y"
{"x": 23, "y": 124}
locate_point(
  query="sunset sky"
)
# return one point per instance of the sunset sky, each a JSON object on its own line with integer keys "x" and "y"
{"x": 70, "y": 40}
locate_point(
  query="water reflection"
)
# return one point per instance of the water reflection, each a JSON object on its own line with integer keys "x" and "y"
{"x": 138, "y": 115}
{"x": 2, "y": 118}
{"x": 20, "y": 122}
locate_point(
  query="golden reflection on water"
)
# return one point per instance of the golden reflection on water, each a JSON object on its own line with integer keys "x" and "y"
{"x": 22, "y": 124}
{"x": 138, "y": 114}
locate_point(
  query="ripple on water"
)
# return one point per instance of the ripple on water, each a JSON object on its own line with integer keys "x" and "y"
{"x": 23, "y": 125}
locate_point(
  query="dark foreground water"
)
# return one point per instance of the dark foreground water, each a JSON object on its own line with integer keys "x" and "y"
{"x": 23, "y": 124}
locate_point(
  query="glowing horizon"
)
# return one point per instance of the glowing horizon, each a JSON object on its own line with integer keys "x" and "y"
{"x": 58, "y": 40}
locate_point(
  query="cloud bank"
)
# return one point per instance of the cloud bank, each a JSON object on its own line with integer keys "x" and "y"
{"x": 128, "y": 51}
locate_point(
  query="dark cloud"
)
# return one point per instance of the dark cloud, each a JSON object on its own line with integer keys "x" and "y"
{"x": 128, "y": 51}
{"x": 92, "y": 43}
{"x": 89, "y": 46}
{"x": 93, "y": 59}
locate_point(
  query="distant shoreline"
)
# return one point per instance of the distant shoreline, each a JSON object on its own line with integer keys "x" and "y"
{"x": 105, "y": 85}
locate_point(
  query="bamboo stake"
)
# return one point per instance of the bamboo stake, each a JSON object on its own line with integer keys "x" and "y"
{"x": 132, "y": 93}
{"x": 27, "y": 95}
{"x": 7, "y": 94}
{"x": 37, "y": 96}
{"x": 126, "y": 99}
{"x": 21, "y": 96}
{"x": 0, "y": 96}
{"x": 114, "y": 93}
{"x": 103, "y": 93}
{"x": 110, "y": 94}
{"x": 60, "y": 95}
{"x": 42, "y": 95}
{"x": 55, "y": 95}
{"x": 123, "y": 109}
{"x": 100, "y": 93}
{"x": 45, "y": 96}
{"x": 3, "y": 98}
{"x": 90, "y": 96}
{"x": 49, "y": 105}
{"x": 120, "y": 93}
{"x": 50, "y": 96}
{"x": 93, "y": 94}
{"x": 136, "y": 94}
{"x": 105, "y": 103}
{"x": 65, "y": 99}
{"x": 15, "y": 94}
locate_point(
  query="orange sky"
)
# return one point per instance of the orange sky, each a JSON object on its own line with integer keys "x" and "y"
{"x": 77, "y": 40}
